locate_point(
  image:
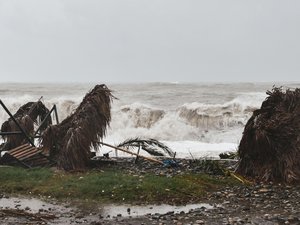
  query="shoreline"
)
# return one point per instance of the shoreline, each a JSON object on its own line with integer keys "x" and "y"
{"x": 257, "y": 204}
{"x": 227, "y": 203}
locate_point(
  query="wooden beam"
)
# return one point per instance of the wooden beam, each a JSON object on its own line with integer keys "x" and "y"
{"x": 132, "y": 153}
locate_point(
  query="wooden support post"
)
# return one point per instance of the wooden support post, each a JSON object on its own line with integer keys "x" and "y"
{"x": 44, "y": 121}
{"x": 137, "y": 157}
{"x": 46, "y": 118}
{"x": 56, "y": 115}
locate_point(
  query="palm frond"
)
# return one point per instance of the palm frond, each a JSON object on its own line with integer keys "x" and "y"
{"x": 152, "y": 146}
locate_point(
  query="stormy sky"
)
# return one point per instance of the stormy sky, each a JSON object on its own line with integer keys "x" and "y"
{"x": 149, "y": 40}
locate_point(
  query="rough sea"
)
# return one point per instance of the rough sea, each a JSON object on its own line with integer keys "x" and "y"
{"x": 195, "y": 120}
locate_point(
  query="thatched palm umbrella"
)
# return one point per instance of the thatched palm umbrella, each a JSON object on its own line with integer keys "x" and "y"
{"x": 70, "y": 141}
{"x": 270, "y": 147}
{"x": 27, "y": 115}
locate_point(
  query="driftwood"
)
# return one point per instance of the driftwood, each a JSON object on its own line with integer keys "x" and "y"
{"x": 270, "y": 147}
{"x": 131, "y": 153}
{"x": 27, "y": 115}
{"x": 69, "y": 142}
{"x": 152, "y": 146}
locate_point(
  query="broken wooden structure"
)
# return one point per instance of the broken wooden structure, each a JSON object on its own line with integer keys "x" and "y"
{"x": 27, "y": 156}
{"x": 19, "y": 135}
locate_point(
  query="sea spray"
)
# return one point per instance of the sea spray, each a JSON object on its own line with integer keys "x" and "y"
{"x": 202, "y": 118}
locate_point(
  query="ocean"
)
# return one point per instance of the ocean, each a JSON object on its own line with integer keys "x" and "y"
{"x": 193, "y": 119}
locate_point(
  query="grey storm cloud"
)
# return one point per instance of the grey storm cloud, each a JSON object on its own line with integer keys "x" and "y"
{"x": 148, "y": 41}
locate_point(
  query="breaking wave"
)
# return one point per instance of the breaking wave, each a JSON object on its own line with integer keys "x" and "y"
{"x": 191, "y": 121}
{"x": 187, "y": 117}
{"x": 216, "y": 116}
{"x": 189, "y": 113}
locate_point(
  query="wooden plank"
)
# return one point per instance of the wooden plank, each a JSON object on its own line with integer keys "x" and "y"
{"x": 18, "y": 148}
{"x": 24, "y": 152}
{"x": 29, "y": 155}
{"x": 38, "y": 162}
{"x": 18, "y": 151}
{"x": 15, "y": 152}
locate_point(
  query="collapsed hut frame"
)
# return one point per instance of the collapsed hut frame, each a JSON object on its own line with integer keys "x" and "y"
{"x": 27, "y": 155}
{"x": 22, "y": 131}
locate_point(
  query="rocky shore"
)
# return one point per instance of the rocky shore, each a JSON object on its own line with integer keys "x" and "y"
{"x": 241, "y": 204}
{"x": 258, "y": 204}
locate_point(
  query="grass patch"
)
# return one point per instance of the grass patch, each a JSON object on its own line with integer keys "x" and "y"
{"x": 111, "y": 185}
{"x": 14, "y": 179}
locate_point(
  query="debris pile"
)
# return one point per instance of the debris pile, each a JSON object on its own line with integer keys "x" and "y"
{"x": 27, "y": 115}
{"x": 67, "y": 144}
{"x": 270, "y": 147}
{"x": 26, "y": 155}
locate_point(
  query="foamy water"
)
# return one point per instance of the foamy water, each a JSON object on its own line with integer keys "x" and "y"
{"x": 193, "y": 119}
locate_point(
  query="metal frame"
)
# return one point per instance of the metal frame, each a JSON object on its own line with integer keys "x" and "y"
{"x": 49, "y": 113}
{"x": 22, "y": 132}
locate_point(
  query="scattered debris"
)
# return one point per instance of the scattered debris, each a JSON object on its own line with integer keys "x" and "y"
{"x": 27, "y": 115}
{"x": 131, "y": 153}
{"x": 270, "y": 147}
{"x": 67, "y": 144}
{"x": 210, "y": 166}
{"x": 228, "y": 155}
{"x": 26, "y": 155}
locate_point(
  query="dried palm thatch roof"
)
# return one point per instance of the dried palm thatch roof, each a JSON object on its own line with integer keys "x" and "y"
{"x": 27, "y": 115}
{"x": 270, "y": 147}
{"x": 70, "y": 141}
{"x": 152, "y": 146}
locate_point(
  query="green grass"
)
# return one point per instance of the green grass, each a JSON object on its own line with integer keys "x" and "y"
{"x": 112, "y": 186}
{"x": 20, "y": 180}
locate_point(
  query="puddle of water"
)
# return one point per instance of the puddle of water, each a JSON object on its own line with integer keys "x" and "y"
{"x": 129, "y": 210}
{"x": 34, "y": 205}
{"x": 67, "y": 214}
{"x": 31, "y": 204}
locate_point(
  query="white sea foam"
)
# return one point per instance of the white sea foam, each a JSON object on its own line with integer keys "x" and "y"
{"x": 204, "y": 119}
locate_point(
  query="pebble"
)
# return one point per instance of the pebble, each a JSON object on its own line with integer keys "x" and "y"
{"x": 260, "y": 204}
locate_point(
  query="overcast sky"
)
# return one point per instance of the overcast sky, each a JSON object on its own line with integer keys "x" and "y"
{"x": 149, "y": 40}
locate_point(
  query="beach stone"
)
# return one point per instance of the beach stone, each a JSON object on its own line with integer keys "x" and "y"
{"x": 155, "y": 216}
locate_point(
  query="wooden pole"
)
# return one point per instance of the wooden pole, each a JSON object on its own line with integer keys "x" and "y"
{"x": 138, "y": 154}
{"x": 56, "y": 114}
{"x": 44, "y": 121}
{"x": 132, "y": 153}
